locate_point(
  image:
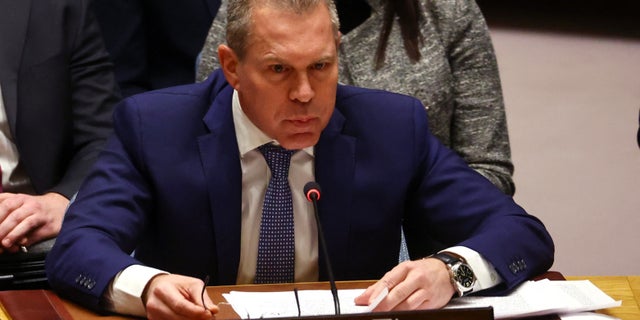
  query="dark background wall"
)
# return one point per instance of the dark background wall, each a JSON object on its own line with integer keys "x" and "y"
{"x": 620, "y": 18}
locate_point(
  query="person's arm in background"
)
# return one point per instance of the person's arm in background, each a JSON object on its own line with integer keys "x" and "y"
{"x": 93, "y": 96}
{"x": 479, "y": 130}
{"x": 122, "y": 23}
{"x": 208, "y": 60}
{"x": 28, "y": 219}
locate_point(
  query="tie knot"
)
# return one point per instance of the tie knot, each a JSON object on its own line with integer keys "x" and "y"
{"x": 278, "y": 159}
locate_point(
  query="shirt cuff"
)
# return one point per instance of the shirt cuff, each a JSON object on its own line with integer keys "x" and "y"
{"x": 486, "y": 275}
{"x": 124, "y": 295}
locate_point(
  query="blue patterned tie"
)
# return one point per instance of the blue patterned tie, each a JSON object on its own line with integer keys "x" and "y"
{"x": 276, "y": 244}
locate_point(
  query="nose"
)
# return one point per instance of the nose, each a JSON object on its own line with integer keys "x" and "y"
{"x": 301, "y": 90}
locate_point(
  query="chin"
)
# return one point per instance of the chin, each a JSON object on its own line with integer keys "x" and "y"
{"x": 299, "y": 141}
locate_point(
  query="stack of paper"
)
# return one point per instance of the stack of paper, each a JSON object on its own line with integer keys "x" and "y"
{"x": 532, "y": 298}
{"x": 543, "y": 297}
{"x": 254, "y": 305}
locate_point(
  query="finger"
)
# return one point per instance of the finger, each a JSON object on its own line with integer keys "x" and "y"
{"x": 210, "y": 305}
{"x": 12, "y": 249}
{"x": 435, "y": 303}
{"x": 388, "y": 281}
{"x": 29, "y": 232}
{"x": 156, "y": 310}
{"x": 165, "y": 312}
{"x": 8, "y": 234}
{"x": 367, "y": 297}
{"x": 175, "y": 306}
{"x": 5, "y": 195}
{"x": 14, "y": 209}
{"x": 191, "y": 310}
{"x": 397, "y": 295}
{"x": 427, "y": 285}
{"x": 188, "y": 302}
{"x": 418, "y": 299}
{"x": 8, "y": 203}
{"x": 25, "y": 227}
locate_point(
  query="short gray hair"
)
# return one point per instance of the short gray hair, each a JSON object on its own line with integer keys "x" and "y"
{"x": 239, "y": 18}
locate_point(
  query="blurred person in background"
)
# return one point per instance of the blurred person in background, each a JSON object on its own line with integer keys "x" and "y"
{"x": 154, "y": 43}
{"x": 57, "y": 92}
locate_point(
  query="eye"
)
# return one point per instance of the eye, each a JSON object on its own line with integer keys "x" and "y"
{"x": 277, "y": 68}
{"x": 319, "y": 65}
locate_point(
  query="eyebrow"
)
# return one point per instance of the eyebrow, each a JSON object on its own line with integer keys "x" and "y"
{"x": 272, "y": 58}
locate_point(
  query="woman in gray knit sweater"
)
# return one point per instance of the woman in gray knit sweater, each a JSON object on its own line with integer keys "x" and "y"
{"x": 439, "y": 51}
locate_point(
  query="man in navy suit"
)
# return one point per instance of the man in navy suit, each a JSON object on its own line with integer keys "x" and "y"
{"x": 182, "y": 183}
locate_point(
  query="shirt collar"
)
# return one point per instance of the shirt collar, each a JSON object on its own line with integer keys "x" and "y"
{"x": 248, "y": 135}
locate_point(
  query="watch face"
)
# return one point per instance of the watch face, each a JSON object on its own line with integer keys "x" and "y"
{"x": 465, "y": 276}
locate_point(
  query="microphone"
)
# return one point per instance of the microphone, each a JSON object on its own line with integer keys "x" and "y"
{"x": 312, "y": 192}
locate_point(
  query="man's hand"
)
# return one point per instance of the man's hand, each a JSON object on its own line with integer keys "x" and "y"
{"x": 420, "y": 284}
{"x": 171, "y": 296}
{"x": 27, "y": 219}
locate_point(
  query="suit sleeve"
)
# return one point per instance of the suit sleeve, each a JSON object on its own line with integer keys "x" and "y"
{"x": 455, "y": 205}
{"x": 479, "y": 130}
{"x": 95, "y": 243}
{"x": 93, "y": 94}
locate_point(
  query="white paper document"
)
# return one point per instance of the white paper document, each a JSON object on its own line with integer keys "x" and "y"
{"x": 542, "y": 297}
{"x": 254, "y": 305}
{"x": 532, "y": 298}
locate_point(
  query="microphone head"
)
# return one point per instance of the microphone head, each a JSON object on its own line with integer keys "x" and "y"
{"x": 312, "y": 191}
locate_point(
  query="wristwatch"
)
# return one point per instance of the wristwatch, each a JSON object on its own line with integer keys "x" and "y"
{"x": 462, "y": 277}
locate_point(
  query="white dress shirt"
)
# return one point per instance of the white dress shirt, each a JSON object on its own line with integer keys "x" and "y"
{"x": 14, "y": 179}
{"x": 125, "y": 292}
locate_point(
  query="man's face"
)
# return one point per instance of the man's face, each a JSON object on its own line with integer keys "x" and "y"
{"x": 288, "y": 78}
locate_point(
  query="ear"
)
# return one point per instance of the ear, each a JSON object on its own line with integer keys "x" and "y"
{"x": 229, "y": 64}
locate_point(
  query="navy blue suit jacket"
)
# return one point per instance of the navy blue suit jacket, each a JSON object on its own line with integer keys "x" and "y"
{"x": 169, "y": 187}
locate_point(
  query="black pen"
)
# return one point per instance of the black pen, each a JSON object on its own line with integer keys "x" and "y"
{"x": 295, "y": 292}
{"x": 204, "y": 288}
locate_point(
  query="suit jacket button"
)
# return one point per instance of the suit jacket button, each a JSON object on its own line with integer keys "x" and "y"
{"x": 522, "y": 264}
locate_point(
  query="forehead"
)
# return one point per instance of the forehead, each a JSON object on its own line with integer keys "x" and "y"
{"x": 282, "y": 33}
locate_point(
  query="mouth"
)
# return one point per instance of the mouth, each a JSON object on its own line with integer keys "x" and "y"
{"x": 302, "y": 121}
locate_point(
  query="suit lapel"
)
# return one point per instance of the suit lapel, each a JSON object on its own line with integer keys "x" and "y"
{"x": 13, "y": 27}
{"x": 221, "y": 161}
{"x": 334, "y": 166}
{"x": 334, "y": 169}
